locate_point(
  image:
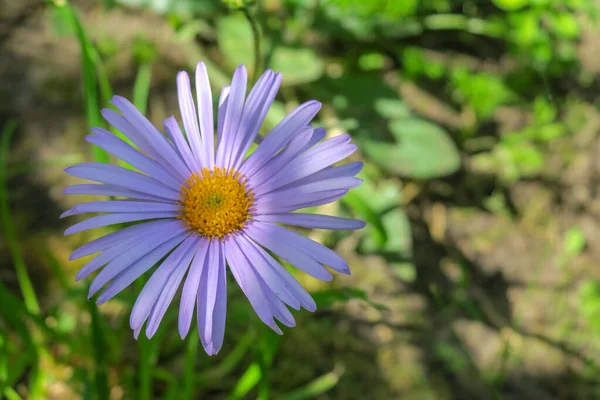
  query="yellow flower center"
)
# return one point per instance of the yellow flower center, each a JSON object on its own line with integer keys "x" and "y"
{"x": 215, "y": 203}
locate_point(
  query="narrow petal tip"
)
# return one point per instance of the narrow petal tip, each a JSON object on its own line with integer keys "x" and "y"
{"x": 276, "y": 329}
{"x": 170, "y": 121}
{"x": 345, "y": 271}
{"x": 241, "y": 69}
{"x": 116, "y": 101}
{"x": 67, "y": 213}
{"x": 151, "y": 330}
{"x": 310, "y": 307}
{"x": 360, "y": 224}
{"x": 314, "y": 104}
{"x": 183, "y": 76}
{"x": 200, "y": 67}
{"x": 136, "y": 332}
{"x": 105, "y": 112}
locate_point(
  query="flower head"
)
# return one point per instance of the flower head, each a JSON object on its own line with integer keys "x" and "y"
{"x": 201, "y": 206}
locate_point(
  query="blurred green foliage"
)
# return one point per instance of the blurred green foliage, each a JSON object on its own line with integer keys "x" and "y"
{"x": 421, "y": 85}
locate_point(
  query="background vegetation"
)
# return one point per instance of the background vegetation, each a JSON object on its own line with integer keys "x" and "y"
{"x": 478, "y": 122}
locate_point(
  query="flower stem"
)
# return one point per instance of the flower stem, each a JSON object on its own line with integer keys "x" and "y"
{"x": 256, "y": 39}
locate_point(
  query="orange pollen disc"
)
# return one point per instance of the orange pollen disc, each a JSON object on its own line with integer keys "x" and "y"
{"x": 215, "y": 202}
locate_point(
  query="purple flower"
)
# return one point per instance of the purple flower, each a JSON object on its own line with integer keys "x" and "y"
{"x": 199, "y": 210}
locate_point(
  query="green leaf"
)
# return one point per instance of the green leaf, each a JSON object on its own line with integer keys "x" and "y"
{"x": 574, "y": 242}
{"x": 545, "y": 112}
{"x": 422, "y": 150}
{"x": 404, "y": 271}
{"x": 390, "y": 217}
{"x": 372, "y": 61}
{"x": 550, "y": 132}
{"x": 392, "y": 108}
{"x": 589, "y": 303}
{"x": 510, "y": 5}
{"x": 483, "y": 92}
{"x": 186, "y": 7}
{"x": 391, "y": 10}
{"x": 360, "y": 99}
{"x": 565, "y": 25}
{"x": 297, "y": 65}
{"x": 525, "y": 28}
{"x": 235, "y": 40}
{"x": 416, "y": 64}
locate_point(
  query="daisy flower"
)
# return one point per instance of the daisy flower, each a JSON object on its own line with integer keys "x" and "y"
{"x": 202, "y": 206}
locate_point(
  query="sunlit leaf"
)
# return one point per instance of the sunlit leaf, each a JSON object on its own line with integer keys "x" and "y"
{"x": 574, "y": 242}
{"x": 186, "y": 7}
{"x": 297, "y": 65}
{"x": 422, "y": 150}
{"x": 510, "y": 5}
{"x": 235, "y": 40}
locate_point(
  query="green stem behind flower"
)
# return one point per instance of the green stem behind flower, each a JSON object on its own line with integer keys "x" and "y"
{"x": 256, "y": 39}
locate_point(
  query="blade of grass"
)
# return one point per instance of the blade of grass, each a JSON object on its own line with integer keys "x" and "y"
{"x": 247, "y": 382}
{"x": 171, "y": 392}
{"x": 268, "y": 348}
{"x": 90, "y": 86}
{"x": 145, "y": 392}
{"x": 91, "y": 54}
{"x": 141, "y": 87}
{"x": 11, "y": 394}
{"x": 190, "y": 366}
{"x": 98, "y": 341}
{"x": 27, "y": 290}
{"x": 231, "y": 361}
{"x": 319, "y": 386}
{"x": 3, "y": 363}
{"x": 145, "y": 350}
{"x": 13, "y": 312}
{"x": 94, "y": 76}
{"x": 257, "y": 371}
